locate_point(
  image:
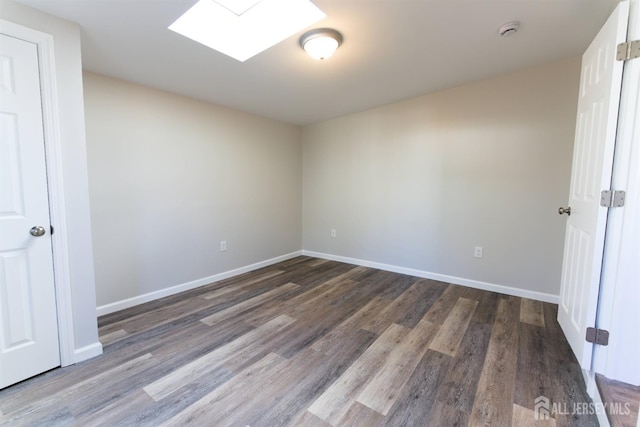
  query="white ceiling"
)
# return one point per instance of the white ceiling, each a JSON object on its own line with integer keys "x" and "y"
{"x": 392, "y": 50}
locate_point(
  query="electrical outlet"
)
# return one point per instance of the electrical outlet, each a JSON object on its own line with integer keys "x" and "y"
{"x": 334, "y": 234}
{"x": 223, "y": 245}
{"x": 477, "y": 252}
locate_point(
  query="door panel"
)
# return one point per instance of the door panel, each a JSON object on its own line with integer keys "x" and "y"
{"x": 596, "y": 122}
{"x": 28, "y": 321}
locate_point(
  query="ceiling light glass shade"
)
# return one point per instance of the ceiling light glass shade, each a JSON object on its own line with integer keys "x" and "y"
{"x": 321, "y": 43}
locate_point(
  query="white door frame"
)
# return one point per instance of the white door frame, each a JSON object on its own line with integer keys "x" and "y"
{"x": 53, "y": 154}
{"x": 617, "y": 310}
{"x": 600, "y": 85}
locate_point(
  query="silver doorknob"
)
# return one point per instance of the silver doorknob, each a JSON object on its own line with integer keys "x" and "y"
{"x": 37, "y": 231}
{"x": 565, "y": 211}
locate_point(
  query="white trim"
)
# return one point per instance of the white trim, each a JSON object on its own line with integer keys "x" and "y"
{"x": 594, "y": 392}
{"x": 524, "y": 293}
{"x": 140, "y": 299}
{"x": 618, "y": 300}
{"x": 87, "y": 352}
{"x": 53, "y": 153}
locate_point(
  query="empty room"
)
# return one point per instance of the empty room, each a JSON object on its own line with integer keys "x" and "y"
{"x": 319, "y": 213}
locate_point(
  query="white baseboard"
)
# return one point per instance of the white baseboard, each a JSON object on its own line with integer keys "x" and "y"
{"x": 87, "y": 352}
{"x": 594, "y": 392}
{"x": 140, "y": 299}
{"x": 524, "y": 293}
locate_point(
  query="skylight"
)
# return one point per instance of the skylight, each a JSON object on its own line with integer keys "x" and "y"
{"x": 237, "y": 6}
{"x": 243, "y": 28}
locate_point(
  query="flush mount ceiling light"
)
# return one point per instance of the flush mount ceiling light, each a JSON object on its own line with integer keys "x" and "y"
{"x": 244, "y": 28}
{"x": 321, "y": 43}
{"x": 509, "y": 28}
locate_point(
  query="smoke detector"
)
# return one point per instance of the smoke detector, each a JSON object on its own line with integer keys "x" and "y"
{"x": 509, "y": 28}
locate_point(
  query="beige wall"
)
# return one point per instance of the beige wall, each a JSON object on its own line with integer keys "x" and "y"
{"x": 416, "y": 185}
{"x": 420, "y": 183}
{"x": 170, "y": 177}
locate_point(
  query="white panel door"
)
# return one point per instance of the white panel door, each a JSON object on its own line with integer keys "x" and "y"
{"x": 28, "y": 322}
{"x": 599, "y": 97}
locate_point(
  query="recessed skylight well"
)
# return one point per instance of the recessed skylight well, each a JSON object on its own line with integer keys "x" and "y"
{"x": 243, "y": 28}
{"x": 238, "y": 6}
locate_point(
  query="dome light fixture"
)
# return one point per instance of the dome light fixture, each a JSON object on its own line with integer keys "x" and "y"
{"x": 321, "y": 43}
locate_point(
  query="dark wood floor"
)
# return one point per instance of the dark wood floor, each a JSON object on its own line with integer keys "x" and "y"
{"x": 309, "y": 342}
{"x": 622, "y": 401}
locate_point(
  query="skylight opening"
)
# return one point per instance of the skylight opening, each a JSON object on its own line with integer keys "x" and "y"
{"x": 259, "y": 25}
{"x": 238, "y": 6}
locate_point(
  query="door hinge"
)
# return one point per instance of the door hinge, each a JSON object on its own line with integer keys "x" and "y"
{"x": 628, "y": 50}
{"x": 612, "y": 198}
{"x": 597, "y": 336}
{"x": 51, "y": 228}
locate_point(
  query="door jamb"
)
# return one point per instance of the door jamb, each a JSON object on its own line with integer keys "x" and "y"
{"x": 55, "y": 183}
{"x": 613, "y": 308}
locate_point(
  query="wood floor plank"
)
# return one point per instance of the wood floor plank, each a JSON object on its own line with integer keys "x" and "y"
{"x": 415, "y": 403}
{"x": 224, "y": 398}
{"x": 251, "y": 342}
{"x": 622, "y": 401}
{"x": 555, "y": 337}
{"x": 313, "y": 325}
{"x": 533, "y": 376}
{"x": 312, "y": 354}
{"x": 318, "y": 262}
{"x": 487, "y": 308}
{"x": 247, "y": 305}
{"x": 360, "y": 415}
{"x": 565, "y": 373}
{"x": 196, "y": 293}
{"x": 302, "y": 299}
{"x": 315, "y": 276}
{"x": 340, "y": 333}
{"x": 162, "y": 315}
{"x": 242, "y": 285}
{"x": 94, "y": 400}
{"x": 53, "y": 418}
{"x": 494, "y": 399}
{"x": 532, "y": 312}
{"x": 43, "y": 386}
{"x": 184, "y": 348}
{"x": 292, "y": 384}
{"x": 333, "y": 290}
{"x": 307, "y": 419}
{"x": 336, "y": 400}
{"x": 113, "y": 336}
{"x": 382, "y": 391}
{"x": 430, "y": 291}
{"x": 454, "y": 327}
{"x": 525, "y": 417}
{"x": 223, "y": 401}
{"x": 391, "y": 285}
{"x": 115, "y": 356}
{"x": 35, "y": 410}
{"x": 300, "y": 380}
{"x": 459, "y": 387}
{"x": 565, "y": 391}
{"x": 158, "y": 412}
{"x": 445, "y": 415}
{"x": 394, "y": 310}
{"x": 114, "y": 413}
{"x": 269, "y": 312}
{"x": 442, "y": 307}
